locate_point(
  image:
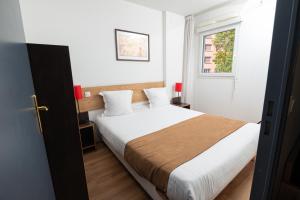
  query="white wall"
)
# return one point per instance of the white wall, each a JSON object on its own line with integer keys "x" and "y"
{"x": 240, "y": 97}
{"x": 174, "y": 38}
{"x": 87, "y": 27}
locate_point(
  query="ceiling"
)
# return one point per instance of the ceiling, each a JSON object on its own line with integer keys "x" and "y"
{"x": 183, "y": 7}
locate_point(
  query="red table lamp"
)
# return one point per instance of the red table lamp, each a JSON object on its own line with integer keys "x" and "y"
{"x": 78, "y": 92}
{"x": 78, "y": 95}
{"x": 178, "y": 89}
{"x": 82, "y": 117}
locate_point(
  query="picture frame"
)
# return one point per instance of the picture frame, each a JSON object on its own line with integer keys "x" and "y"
{"x": 132, "y": 46}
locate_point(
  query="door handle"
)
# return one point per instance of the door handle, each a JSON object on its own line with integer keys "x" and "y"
{"x": 37, "y": 110}
{"x": 42, "y": 108}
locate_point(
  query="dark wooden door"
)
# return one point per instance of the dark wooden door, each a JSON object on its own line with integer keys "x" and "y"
{"x": 52, "y": 77}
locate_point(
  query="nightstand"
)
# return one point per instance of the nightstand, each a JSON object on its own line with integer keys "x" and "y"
{"x": 183, "y": 105}
{"x": 87, "y": 136}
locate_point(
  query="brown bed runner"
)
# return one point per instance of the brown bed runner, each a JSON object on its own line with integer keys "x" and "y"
{"x": 156, "y": 155}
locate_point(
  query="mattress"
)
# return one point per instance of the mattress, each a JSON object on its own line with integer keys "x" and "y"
{"x": 201, "y": 178}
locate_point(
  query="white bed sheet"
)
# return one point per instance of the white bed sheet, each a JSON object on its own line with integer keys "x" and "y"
{"x": 201, "y": 178}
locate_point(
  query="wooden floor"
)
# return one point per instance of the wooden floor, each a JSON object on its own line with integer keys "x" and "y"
{"x": 108, "y": 179}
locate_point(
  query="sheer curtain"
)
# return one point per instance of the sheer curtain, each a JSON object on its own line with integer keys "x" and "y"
{"x": 188, "y": 61}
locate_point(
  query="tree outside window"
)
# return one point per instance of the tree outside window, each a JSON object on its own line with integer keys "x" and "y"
{"x": 224, "y": 43}
{"x": 220, "y": 48}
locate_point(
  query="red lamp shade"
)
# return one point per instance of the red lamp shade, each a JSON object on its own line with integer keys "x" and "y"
{"x": 178, "y": 87}
{"x": 78, "y": 92}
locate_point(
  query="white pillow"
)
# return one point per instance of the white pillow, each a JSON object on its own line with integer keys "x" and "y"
{"x": 157, "y": 97}
{"x": 117, "y": 102}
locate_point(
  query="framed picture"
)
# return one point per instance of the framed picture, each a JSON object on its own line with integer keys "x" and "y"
{"x": 132, "y": 46}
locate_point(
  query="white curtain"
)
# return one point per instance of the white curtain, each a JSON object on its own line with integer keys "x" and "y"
{"x": 188, "y": 61}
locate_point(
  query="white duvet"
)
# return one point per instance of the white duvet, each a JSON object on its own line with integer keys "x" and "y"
{"x": 201, "y": 178}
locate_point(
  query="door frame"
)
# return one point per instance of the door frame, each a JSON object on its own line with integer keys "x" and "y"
{"x": 24, "y": 168}
{"x": 276, "y": 99}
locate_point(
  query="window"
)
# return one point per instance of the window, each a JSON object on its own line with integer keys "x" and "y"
{"x": 217, "y": 51}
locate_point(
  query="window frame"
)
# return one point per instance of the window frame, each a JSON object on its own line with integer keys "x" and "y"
{"x": 201, "y": 58}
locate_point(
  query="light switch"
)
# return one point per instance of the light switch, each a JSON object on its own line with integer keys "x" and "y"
{"x": 87, "y": 94}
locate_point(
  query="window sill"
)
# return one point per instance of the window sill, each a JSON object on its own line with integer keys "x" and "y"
{"x": 214, "y": 75}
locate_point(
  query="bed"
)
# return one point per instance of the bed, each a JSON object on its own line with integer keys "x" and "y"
{"x": 201, "y": 178}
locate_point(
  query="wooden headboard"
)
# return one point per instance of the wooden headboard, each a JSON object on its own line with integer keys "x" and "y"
{"x": 95, "y": 101}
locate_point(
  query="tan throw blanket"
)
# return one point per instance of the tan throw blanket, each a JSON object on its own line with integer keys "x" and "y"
{"x": 156, "y": 155}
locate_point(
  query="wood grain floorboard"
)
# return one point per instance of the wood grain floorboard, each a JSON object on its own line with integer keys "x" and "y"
{"x": 107, "y": 179}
